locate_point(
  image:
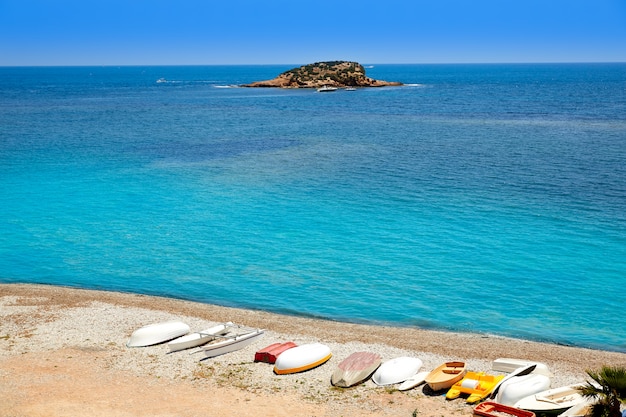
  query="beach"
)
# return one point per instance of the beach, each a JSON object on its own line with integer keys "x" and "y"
{"x": 63, "y": 353}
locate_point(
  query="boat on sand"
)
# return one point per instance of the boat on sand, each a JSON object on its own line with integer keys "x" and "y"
{"x": 156, "y": 333}
{"x": 397, "y": 370}
{"x": 493, "y": 409}
{"x": 520, "y": 387}
{"x": 446, "y": 375}
{"x": 355, "y": 369}
{"x": 555, "y": 400}
{"x": 235, "y": 339}
{"x": 414, "y": 381}
{"x": 581, "y": 409}
{"x": 302, "y": 358}
{"x": 269, "y": 353}
{"x": 197, "y": 338}
{"x": 521, "y": 371}
{"x": 477, "y": 385}
{"x": 510, "y": 365}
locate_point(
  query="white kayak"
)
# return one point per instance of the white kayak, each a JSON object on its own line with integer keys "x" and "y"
{"x": 302, "y": 358}
{"x": 397, "y": 370}
{"x": 237, "y": 337}
{"x": 520, "y": 387}
{"x": 197, "y": 338}
{"x": 552, "y": 400}
{"x": 154, "y": 334}
{"x": 417, "y": 379}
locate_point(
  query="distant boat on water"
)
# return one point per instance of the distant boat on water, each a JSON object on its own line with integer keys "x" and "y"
{"x": 326, "y": 88}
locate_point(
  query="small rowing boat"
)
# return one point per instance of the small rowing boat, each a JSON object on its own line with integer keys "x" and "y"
{"x": 445, "y": 375}
{"x": 237, "y": 338}
{"x": 302, "y": 358}
{"x": 493, "y": 409}
{"x": 581, "y": 409}
{"x": 510, "y": 365}
{"x": 397, "y": 370}
{"x": 355, "y": 369}
{"x": 156, "y": 333}
{"x": 198, "y": 338}
{"x": 269, "y": 353}
{"x": 555, "y": 400}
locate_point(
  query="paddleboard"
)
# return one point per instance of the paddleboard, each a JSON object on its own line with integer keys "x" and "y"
{"x": 414, "y": 381}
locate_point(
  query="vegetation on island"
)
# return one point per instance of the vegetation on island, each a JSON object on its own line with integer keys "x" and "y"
{"x": 347, "y": 73}
{"x": 327, "y": 73}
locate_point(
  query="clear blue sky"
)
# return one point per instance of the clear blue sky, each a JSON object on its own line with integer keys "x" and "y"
{"x": 155, "y": 32}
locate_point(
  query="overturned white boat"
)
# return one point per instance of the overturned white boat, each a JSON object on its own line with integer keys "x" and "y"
{"x": 355, "y": 369}
{"x": 198, "y": 338}
{"x": 302, "y": 358}
{"x": 397, "y": 370}
{"x": 156, "y": 333}
{"x": 514, "y": 389}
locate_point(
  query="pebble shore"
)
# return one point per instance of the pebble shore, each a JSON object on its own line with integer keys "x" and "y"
{"x": 37, "y": 321}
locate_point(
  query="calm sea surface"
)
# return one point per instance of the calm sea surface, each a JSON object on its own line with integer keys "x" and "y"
{"x": 482, "y": 198}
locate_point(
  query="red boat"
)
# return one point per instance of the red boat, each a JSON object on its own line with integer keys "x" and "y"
{"x": 492, "y": 409}
{"x": 270, "y": 353}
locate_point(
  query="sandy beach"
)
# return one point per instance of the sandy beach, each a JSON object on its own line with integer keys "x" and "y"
{"x": 63, "y": 353}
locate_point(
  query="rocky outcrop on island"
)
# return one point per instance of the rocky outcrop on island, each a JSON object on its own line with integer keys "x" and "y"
{"x": 319, "y": 74}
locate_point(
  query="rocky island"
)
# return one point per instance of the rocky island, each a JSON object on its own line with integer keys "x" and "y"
{"x": 329, "y": 73}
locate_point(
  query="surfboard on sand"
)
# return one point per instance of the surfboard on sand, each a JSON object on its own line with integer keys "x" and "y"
{"x": 417, "y": 379}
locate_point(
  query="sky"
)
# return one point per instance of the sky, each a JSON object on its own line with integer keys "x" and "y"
{"x": 210, "y": 32}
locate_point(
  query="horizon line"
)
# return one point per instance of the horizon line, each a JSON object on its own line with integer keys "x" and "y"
{"x": 298, "y": 64}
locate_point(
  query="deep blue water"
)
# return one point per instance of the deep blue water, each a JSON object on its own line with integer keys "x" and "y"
{"x": 482, "y": 198}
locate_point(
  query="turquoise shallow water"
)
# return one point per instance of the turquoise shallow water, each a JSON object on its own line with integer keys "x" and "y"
{"x": 482, "y": 198}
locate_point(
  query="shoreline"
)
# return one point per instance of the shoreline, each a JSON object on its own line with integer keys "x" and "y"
{"x": 82, "y": 334}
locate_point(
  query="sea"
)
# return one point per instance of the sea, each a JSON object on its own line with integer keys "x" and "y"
{"x": 488, "y": 199}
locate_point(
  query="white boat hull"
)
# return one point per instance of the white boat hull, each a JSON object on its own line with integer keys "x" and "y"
{"x": 417, "y": 379}
{"x": 355, "y": 369}
{"x": 153, "y": 334}
{"x": 510, "y": 365}
{"x": 230, "y": 344}
{"x": 396, "y": 370}
{"x": 515, "y": 389}
{"x": 581, "y": 409}
{"x": 552, "y": 400}
{"x": 302, "y": 358}
{"x": 524, "y": 370}
{"x": 197, "y": 338}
